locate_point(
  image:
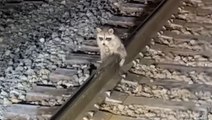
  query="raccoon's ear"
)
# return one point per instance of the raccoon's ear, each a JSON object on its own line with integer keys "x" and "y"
{"x": 111, "y": 31}
{"x": 98, "y": 30}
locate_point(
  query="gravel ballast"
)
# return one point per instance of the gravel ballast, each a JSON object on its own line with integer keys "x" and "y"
{"x": 37, "y": 38}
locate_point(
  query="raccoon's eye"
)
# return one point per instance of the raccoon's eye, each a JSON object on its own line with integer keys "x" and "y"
{"x": 108, "y": 39}
{"x": 101, "y": 38}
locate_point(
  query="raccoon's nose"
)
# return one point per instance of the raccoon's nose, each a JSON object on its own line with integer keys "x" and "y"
{"x": 103, "y": 43}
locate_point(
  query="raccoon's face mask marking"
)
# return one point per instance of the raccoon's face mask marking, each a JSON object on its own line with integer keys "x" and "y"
{"x": 104, "y": 37}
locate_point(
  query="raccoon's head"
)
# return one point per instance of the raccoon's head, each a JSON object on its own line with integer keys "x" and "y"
{"x": 104, "y": 36}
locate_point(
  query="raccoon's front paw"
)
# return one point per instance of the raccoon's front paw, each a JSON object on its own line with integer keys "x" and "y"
{"x": 121, "y": 63}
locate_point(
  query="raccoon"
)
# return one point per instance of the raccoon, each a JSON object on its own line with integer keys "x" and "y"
{"x": 109, "y": 44}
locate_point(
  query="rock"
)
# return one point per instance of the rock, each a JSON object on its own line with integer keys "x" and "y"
{"x": 57, "y": 39}
{"x": 54, "y": 35}
{"x": 19, "y": 85}
{"x": 63, "y": 2}
{"x": 27, "y": 62}
{"x": 42, "y": 40}
{"x": 44, "y": 81}
{"x": 81, "y": 80}
{"x": 19, "y": 68}
{"x": 10, "y": 63}
{"x": 7, "y": 52}
{"x": 22, "y": 97}
{"x": 9, "y": 69}
{"x": 45, "y": 77}
{"x": 120, "y": 107}
{"x": 30, "y": 72}
{"x": 14, "y": 92}
{"x": 4, "y": 93}
{"x": 6, "y": 101}
{"x": 23, "y": 77}
{"x": 1, "y": 78}
{"x": 44, "y": 71}
{"x": 15, "y": 100}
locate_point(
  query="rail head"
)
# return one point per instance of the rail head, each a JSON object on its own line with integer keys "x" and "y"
{"x": 150, "y": 27}
{"x": 108, "y": 73}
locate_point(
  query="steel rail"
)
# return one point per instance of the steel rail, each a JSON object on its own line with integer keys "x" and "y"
{"x": 107, "y": 76}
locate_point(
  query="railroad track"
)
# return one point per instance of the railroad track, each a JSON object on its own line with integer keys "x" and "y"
{"x": 169, "y": 79}
{"x": 86, "y": 100}
{"x": 162, "y": 82}
{"x": 45, "y": 97}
